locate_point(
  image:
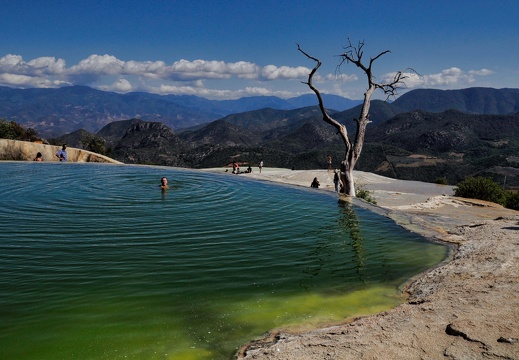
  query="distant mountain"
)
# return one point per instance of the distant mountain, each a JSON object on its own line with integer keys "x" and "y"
{"x": 472, "y": 100}
{"x": 269, "y": 119}
{"x": 300, "y": 130}
{"x": 423, "y": 146}
{"x": 54, "y": 112}
{"x": 379, "y": 112}
{"x": 310, "y": 135}
{"x": 114, "y": 131}
{"x": 150, "y": 143}
{"x": 335, "y": 102}
{"x": 226, "y": 107}
{"x": 73, "y": 139}
{"x": 451, "y": 130}
{"x": 416, "y": 145}
{"x": 224, "y": 133}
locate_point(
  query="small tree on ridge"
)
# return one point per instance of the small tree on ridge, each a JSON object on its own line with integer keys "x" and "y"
{"x": 353, "y": 54}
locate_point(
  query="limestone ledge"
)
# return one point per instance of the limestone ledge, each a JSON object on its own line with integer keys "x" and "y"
{"x": 15, "y": 150}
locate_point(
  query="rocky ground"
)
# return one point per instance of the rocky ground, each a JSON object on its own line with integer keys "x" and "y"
{"x": 466, "y": 308}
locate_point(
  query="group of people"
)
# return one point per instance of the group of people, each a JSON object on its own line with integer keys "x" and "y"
{"x": 236, "y": 167}
{"x": 336, "y": 181}
{"x": 61, "y": 154}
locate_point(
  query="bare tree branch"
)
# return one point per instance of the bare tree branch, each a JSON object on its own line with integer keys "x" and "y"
{"x": 353, "y": 54}
{"x": 326, "y": 117}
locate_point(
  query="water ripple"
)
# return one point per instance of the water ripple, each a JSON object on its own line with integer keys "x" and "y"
{"x": 89, "y": 248}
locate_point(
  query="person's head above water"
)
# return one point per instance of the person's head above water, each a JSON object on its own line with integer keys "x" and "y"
{"x": 164, "y": 182}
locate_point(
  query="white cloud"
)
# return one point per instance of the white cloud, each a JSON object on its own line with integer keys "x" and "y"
{"x": 25, "y": 81}
{"x": 272, "y": 72}
{"x": 184, "y": 70}
{"x": 474, "y": 74}
{"x": 121, "y": 86}
{"x": 219, "y": 94}
{"x": 47, "y": 65}
{"x": 244, "y": 70}
{"x": 14, "y": 64}
{"x": 189, "y": 77}
{"x": 446, "y": 77}
{"x": 452, "y": 77}
{"x": 149, "y": 69}
{"x": 165, "y": 89}
{"x": 341, "y": 77}
{"x": 98, "y": 65}
{"x": 181, "y": 77}
{"x": 15, "y": 79}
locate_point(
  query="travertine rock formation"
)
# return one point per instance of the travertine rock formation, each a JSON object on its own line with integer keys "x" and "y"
{"x": 26, "y": 151}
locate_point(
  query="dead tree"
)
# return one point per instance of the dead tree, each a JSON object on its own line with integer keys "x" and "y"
{"x": 353, "y": 54}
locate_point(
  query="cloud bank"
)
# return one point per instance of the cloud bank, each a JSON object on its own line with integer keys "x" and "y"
{"x": 446, "y": 78}
{"x": 184, "y": 77}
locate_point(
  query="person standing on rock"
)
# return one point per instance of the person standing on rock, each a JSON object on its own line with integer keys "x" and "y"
{"x": 62, "y": 154}
{"x": 260, "y": 165}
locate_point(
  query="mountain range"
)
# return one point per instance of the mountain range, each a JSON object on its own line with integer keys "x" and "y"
{"x": 423, "y": 135}
{"x": 55, "y": 112}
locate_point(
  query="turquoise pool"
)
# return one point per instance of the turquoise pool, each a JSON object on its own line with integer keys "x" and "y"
{"x": 98, "y": 263}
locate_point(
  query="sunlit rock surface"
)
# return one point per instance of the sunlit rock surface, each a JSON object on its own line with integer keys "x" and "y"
{"x": 15, "y": 150}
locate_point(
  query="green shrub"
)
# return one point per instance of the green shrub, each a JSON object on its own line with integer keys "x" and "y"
{"x": 95, "y": 144}
{"x": 365, "y": 194}
{"x": 512, "y": 200}
{"x": 481, "y": 188}
{"x": 441, "y": 181}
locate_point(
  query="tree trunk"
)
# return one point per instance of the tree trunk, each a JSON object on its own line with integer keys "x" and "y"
{"x": 348, "y": 181}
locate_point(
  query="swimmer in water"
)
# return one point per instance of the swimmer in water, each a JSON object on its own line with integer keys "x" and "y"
{"x": 164, "y": 183}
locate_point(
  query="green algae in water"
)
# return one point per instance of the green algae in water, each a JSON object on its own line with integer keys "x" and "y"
{"x": 307, "y": 311}
{"x": 106, "y": 266}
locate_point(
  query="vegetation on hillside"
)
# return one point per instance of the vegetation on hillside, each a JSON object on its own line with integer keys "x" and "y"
{"x": 95, "y": 144}
{"x": 12, "y": 130}
{"x": 487, "y": 189}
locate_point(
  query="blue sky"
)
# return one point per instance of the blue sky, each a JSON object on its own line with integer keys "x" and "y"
{"x": 231, "y": 49}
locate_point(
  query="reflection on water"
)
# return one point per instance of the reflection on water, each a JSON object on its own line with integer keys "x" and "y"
{"x": 349, "y": 244}
{"x": 98, "y": 262}
{"x": 350, "y": 222}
